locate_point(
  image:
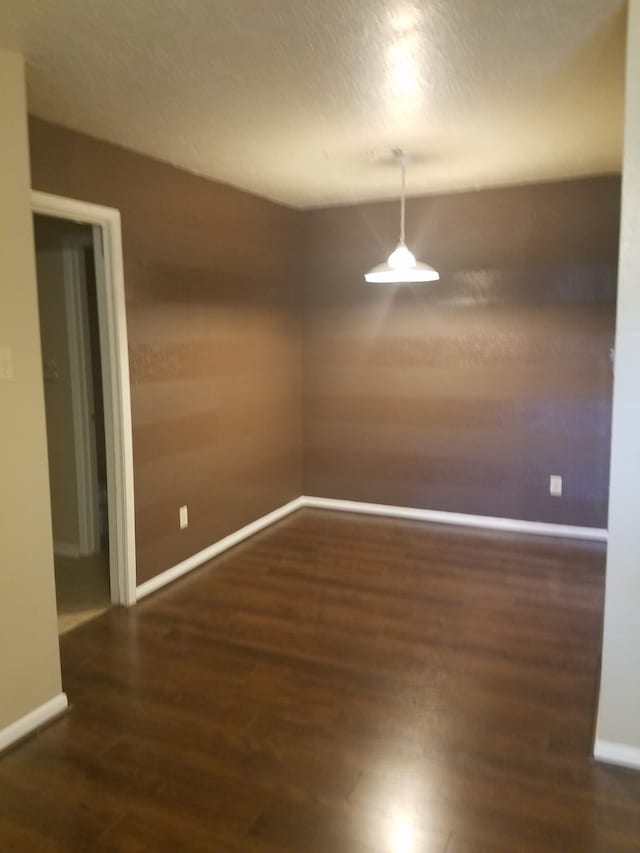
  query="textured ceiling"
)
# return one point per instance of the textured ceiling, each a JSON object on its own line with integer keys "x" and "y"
{"x": 298, "y": 100}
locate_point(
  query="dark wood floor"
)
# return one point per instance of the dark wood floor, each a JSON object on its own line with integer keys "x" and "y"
{"x": 336, "y": 684}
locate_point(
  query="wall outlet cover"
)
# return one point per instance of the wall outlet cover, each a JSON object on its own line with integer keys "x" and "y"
{"x": 555, "y": 485}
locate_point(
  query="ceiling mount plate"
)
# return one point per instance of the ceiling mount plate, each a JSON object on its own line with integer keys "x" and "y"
{"x": 395, "y": 156}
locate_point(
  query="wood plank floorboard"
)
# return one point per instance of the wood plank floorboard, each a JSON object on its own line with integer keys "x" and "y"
{"x": 337, "y": 684}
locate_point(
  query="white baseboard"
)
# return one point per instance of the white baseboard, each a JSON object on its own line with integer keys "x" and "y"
{"x": 66, "y": 549}
{"x": 510, "y": 525}
{"x": 212, "y": 551}
{"x": 486, "y": 522}
{"x": 617, "y": 753}
{"x": 33, "y": 720}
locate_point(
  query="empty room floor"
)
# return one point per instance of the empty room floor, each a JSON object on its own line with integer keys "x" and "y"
{"x": 82, "y": 589}
{"x": 337, "y": 684}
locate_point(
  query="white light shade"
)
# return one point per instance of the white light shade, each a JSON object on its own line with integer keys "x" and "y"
{"x": 401, "y": 268}
{"x": 401, "y": 258}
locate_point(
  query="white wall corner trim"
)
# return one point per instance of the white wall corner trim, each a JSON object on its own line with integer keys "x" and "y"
{"x": 486, "y": 522}
{"x": 33, "y": 720}
{"x": 218, "y": 547}
{"x": 617, "y": 753}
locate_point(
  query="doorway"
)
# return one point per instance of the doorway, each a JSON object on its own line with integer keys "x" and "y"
{"x": 87, "y": 399}
{"x": 74, "y": 405}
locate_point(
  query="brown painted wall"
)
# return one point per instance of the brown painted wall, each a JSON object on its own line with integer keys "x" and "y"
{"x": 214, "y": 337}
{"x": 466, "y": 395}
{"x": 461, "y": 396}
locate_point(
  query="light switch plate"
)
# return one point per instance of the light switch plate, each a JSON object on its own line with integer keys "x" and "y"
{"x": 183, "y": 515}
{"x": 6, "y": 363}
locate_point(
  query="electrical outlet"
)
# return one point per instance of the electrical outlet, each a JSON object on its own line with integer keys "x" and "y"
{"x": 555, "y": 485}
{"x": 183, "y": 515}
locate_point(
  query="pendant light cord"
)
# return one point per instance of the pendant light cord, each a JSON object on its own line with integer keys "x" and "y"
{"x": 403, "y": 169}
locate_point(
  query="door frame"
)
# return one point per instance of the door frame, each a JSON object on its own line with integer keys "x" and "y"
{"x": 114, "y": 350}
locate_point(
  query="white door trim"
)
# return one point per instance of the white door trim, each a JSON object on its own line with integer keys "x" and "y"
{"x": 115, "y": 378}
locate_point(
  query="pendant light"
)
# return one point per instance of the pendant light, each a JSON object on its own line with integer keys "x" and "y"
{"x": 401, "y": 267}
